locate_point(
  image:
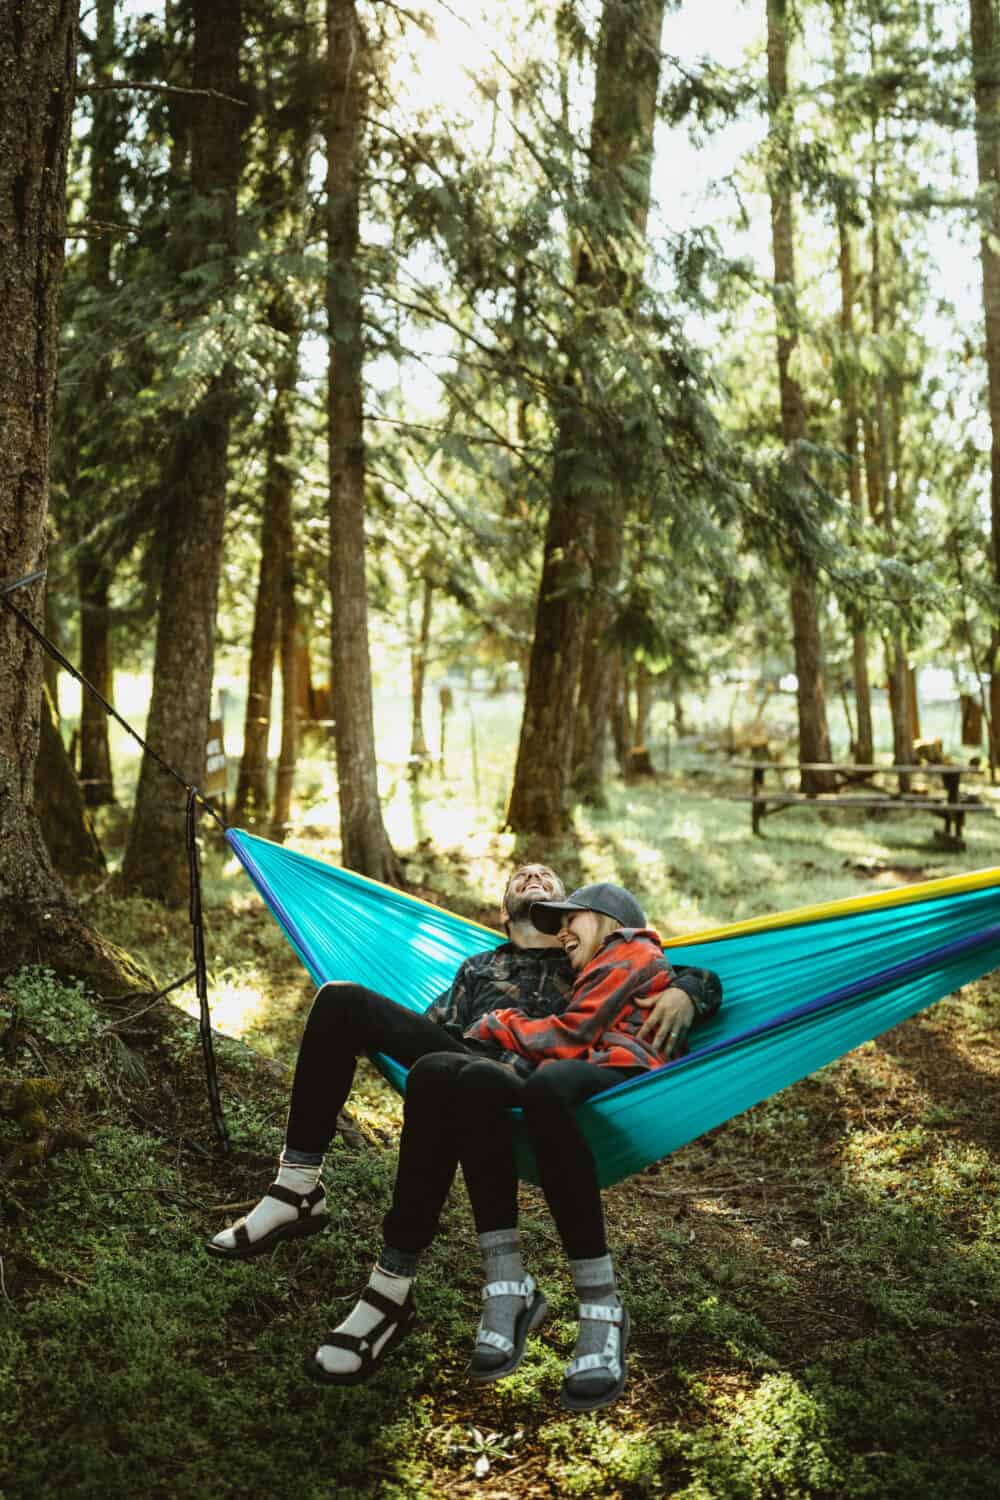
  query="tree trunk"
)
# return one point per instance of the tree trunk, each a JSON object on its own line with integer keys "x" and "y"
{"x": 879, "y": 467}
{"x": 906, "y": 716}
{"x": 95, "y": 664}
{"x": 364, "y": 842}
{"x": 538, "y": 801}
{"x": 621, "y": 718}
{"x": 66, "y": 827}
{"x": 985, "y": 39}
{"x": 284, "y": 168}
{"x": 581, "y": 565}
{"x": 38, "y": 921}
{"x": 195, "y": 489}
{"x": 643, "y": 704}
{"x": 597, "y": 680}
{"x": 93, "y": 575}
{"x": 676, "y": 689}
{"x": 419, "y": 648}
{"x": 640, "y": 761}
{"x": 251, "y": 789}
{"x": 251, "y": 786}
{"x": 284, "y": 780}
{"x": 863, "y": 749}
{"x": 814, "y": 738}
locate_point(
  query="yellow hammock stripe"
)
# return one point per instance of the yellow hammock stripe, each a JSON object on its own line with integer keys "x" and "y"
{"x": 903, "y": 895}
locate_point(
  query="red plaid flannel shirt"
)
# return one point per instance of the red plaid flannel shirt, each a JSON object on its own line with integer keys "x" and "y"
{"x": 601, "y": 1019}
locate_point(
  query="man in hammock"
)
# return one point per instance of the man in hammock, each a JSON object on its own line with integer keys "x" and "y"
{"x": 530, "y": 972}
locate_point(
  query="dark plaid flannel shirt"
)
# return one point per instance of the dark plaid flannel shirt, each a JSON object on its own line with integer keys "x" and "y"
{"x": 538, "y": 982}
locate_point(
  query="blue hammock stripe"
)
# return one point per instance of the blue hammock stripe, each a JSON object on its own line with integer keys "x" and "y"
{"x": 797, "y": 996}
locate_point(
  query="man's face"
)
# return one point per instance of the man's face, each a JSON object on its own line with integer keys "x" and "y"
{"x": 528, "y": 884}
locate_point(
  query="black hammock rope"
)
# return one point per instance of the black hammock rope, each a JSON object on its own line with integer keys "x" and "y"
{"x": 195, "y": 800}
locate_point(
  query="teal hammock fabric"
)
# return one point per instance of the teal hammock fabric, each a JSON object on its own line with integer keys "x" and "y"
{"x": 798, "y": 993}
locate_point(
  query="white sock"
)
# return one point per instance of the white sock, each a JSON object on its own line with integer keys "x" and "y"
{"x": 361, "y": 1322}
{"x": 270, "y": 1212}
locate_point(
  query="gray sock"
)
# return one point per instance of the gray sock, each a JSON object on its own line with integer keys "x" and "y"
{"x": 501, "y": 1263}
{"x": 595, "y": 1286}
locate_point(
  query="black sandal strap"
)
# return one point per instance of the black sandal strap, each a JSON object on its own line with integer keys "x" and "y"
{"x": 303, "y": 1202}
{"x": 363, "y": 1345}
{"x": 394, "y": 1311}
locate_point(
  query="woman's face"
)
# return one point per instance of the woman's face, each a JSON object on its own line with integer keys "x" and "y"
{"x": 581, "y": 934}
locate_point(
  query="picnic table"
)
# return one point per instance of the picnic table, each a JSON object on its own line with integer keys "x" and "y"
{"x": 951, "y": 804}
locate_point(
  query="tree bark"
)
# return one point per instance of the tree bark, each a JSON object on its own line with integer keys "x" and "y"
{"x": 94, "y": 581}
{"x": 582, "y": 555}
{"x": 814, "y": 738}
{"x": 195, "y": 491}
{"x": 38, "y": 921}
{"x": 597, "y": 680}
{"x": 284, "y": 780}
{"x": 94, "y": 577}
{"x": 66, "y": 827}
{"x": 364, "y": 842}
{"x": 284, "y": 167}
{"x": 864, "y": 740}
{"x": 419, "y": 648}
{"x": 620, "y": 715}
{"x": 252, "y": 789}
{"x": 629, "y": 61}
{"x": 878, "y": 467}
{"x": 986, "y": 84}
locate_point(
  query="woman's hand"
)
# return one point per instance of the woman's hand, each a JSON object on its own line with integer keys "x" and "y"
{"x": 671, "y": 1014}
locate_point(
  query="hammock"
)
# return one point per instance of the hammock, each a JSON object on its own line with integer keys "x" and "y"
{"x": 801, "y": 987}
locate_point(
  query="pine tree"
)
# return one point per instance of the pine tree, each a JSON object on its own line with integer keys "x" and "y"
{"x": 985, "y": 35}
{"x": 364, "y": 842}
{"x": 586, "y": 510}
{"x": 814, "y": 738}
{"x": 194, "y": 486}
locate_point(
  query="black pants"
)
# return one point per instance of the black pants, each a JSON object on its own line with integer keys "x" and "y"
{"x": 458, "y": 1110}
{"x": 346, "y": 1021}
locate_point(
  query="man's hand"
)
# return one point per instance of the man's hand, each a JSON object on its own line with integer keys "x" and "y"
{"x": 669, "y": 1021}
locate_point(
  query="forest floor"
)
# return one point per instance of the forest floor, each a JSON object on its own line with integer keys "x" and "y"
{"x": 813, "y": 1286}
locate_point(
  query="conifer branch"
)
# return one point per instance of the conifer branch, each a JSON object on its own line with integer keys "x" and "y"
{"x": 159, "y": 88}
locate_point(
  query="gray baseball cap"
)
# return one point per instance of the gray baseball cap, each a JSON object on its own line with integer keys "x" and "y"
{"x": 609, "y": 900}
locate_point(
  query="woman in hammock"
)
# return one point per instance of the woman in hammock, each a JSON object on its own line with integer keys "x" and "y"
{"x": 546, "y": 1068}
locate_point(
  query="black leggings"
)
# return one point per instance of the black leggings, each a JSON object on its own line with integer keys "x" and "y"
{"x": 458, "y": 1109}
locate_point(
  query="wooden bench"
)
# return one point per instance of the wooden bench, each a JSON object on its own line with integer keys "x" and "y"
{"x": 953, "y": 806}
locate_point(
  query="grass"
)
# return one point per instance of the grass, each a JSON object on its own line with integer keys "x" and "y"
{"x": 813, "y": 1286}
